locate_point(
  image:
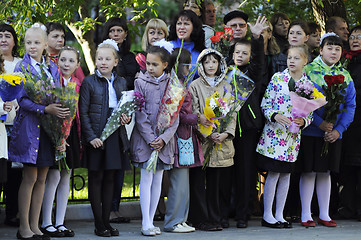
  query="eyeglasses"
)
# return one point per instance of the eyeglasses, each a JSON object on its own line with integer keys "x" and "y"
{"x": 240, "y": 25}
{"x": 353, "y": 37}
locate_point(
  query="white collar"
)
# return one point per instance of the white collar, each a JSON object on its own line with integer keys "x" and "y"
{"x": 326, "y": 64}
{"x": 34, "y": 62}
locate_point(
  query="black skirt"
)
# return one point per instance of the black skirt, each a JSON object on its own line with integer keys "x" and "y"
{"x": 73, "y": 150}
{"x": 46, "y": 151}
{"x": 269, "y": 164}
{"x": 109, "y": 157}
{"x": 3, "y": 170}
{"x": 310, "y": 160}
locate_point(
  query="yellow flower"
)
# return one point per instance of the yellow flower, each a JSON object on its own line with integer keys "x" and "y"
{"x": 317, "y": 94}
{"x": 14, "y": 79}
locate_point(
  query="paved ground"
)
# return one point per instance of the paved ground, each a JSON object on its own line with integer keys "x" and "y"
{"x": 346, "y": 229}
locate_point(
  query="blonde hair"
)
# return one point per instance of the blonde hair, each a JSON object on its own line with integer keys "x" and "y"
{"x": 303, "y": 50}
{"x": 40, "y": 29}
{"x": 109, "y": 46}
{"x": 154, "y": 23}
{"x": 272, "y": 46}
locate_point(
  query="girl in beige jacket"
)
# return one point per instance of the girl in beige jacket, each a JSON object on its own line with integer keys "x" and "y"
{"x": 204, "y": 203}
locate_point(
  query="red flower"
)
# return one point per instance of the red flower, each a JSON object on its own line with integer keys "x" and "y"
{"x": 215, "y": 39}
{"x": 339, "y": 79}
{"x": 168, "y": 101}
{"x": 228, "y": 31}
{"x": 219, "y": 34}
{"x": 334, "y": 80}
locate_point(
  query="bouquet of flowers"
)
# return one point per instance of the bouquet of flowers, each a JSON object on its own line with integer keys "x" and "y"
{"x": 305, "y": 99}
{"x": 216, "y": 107}
{"x": 221, "y": 41}
{"x": 232, "y": 101}
{"x": 335, "y": 91}
{"x": 168, "y": 112}
{"x": 10, "y": 87}
{"x": 128, "y": 104}
{"x": 42, "y": 90}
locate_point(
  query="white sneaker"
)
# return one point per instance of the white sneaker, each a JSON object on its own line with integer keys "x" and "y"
{"x": 180, "y": 229}
{"x": 191, "y": 229}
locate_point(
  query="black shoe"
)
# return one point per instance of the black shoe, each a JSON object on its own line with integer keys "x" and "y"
{"x": 159, "y": 217}
{"x": 54, "y": 234}
{"x": 287, "y": 224}
{"x": 114, "y": 232}
{"x": 18, "y": 236}
{"x": 205, "y": 227}
{"x": 12, "y": 222}
{"x": 242, "y": 224}
{"x": 102, "y": 233}
{"x": 67, "y": 233}
{"x": 224, "y": 223}
{"x": 219, "y": 227}
{"x": 295, "y": 219}
{"x": 271, "y": 225}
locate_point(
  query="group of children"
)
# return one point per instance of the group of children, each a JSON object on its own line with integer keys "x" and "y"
{"x": 192, "y": 189}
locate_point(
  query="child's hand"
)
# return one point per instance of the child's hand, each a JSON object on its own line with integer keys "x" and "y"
{"x": 8, "y": 106}
{"x": 57, "y": 110}
{"x": 204, "y": 121}
{"x": 331, "y": 136}
{"x": 258, "y": 27}
{"x": 283, "y": 120}
{"x": 96, "y": 143}
{"x": 299, "y": 121}
{"x": 157, "y": 144}
{"x": 125, "y": 119}
{"x": 62, "y": 148}
{"x": 220, "y": 138}
{"x": 326, "y": 126}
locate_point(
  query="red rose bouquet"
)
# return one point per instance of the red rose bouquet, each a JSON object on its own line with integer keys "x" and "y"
{"x": 334, "y": 91}
{"x": 221, "y": 41}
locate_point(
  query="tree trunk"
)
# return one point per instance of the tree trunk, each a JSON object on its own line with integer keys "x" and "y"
{"x": 85, "y": 40}
{"x": 330, "y": 8}
{"x": 87, "y": 45}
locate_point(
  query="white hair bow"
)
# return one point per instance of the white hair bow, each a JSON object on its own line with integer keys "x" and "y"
{"x": 110, "y": 42}
{"x": 164, "y": 44}
{"x": 329, "y": 34}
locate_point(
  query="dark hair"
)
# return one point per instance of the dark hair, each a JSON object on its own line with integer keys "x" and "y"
{"x": 242, "y": 41}
{"x": 52, "y": 26}
{"x": 120, "y": 22}
{"x": 331, "y": 23}
{"x": 313, "y": 27}
{"x": 185, "y": 57}
{"x": 217, "y": 57}
{"x": 197, "y": 35}
{"x": 161, "y": 52}
{"x": 331, "y": 40}
{"x": 2, "y": 64}
{"x": 276, "y": 16}
{"x": 201, "y": 5}
{"x": 357, "y": 28}
{"x": 302, "y": 24}
{"x": 70, "y": 48}
{"x": 6, "y": 27}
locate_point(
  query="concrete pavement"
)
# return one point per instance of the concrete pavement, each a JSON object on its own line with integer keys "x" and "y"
{"x": 346, "y": 229}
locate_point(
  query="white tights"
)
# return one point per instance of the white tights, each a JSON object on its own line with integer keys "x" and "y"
{"x": 149, "y": 193}
{"x": 323, "y": 189}
{"x": 283, "y": 180}
{"x": 58, "y": 182}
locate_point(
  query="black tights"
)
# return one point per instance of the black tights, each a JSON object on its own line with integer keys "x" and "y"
{"x": 100, "y": 195}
